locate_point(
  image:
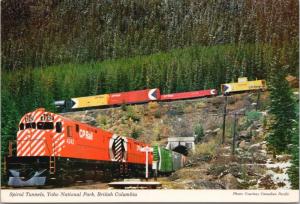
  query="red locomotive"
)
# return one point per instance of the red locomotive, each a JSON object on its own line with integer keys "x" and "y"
{"x": 53, "y": 145}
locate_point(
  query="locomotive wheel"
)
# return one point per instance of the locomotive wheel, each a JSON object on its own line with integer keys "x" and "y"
{"x": 68, "y": 180}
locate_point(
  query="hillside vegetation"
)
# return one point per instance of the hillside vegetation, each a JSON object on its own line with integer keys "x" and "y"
{"x": 193, "y": 68}
{"x": 40, "y": 33}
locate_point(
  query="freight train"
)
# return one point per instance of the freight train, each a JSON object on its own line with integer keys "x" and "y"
{"x": 131, "y": 97}
{"x": 147, "y": 95}
{"x": 52, "y": 149}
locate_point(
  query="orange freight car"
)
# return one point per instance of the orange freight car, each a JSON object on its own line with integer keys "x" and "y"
{"x": 134, "y": 97}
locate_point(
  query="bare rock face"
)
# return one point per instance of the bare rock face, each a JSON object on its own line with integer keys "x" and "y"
{"x": 255, "y": 147}
{"x": 204, "y": 158}
{"x": 89, "y": 119}
{"x": 243, "y": 134}
{"x": 267, "y": 183}
{"x": 204, "y": 184}
{"x": 215, "y": 131}
{"x": 259, "y": 157}
{"x": 256, "y": 125}
{"x": 283, "y": 158}
{"x": 243, "y": 144}
{"x": 293, "y": 81}
{"x": 235, "y": 170}
{"x": 173, "y": 177}
{"x": 217, "y": 170}
{"x": 230, "y": 182}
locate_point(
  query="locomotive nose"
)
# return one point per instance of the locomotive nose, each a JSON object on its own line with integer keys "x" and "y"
{"x": 26, "y": 173}
{"x": 31, "y": 142}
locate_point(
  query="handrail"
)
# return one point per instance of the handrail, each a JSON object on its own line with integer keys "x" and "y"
{"x": 10, "y": 148}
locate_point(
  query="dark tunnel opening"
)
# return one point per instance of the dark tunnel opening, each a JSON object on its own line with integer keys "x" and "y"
{"x": 181, "y": 149}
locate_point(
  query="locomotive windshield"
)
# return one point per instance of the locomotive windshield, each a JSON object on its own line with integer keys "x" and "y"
{"x": 22, "y": 126}
{"x": 45, "y": 125}
{"x": 27, "y": 125}
{"x": 30, "y": 125}
{"x": 40, "y": 126}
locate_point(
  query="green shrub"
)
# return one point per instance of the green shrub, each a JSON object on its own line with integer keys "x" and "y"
{"x": 199, "y": 132}
{"x": 124, "y": 107}
{"x": 253, "y": 115}
{"x": 136, "y": 133}
{"x": 208, "y": 148}
{"x": 157, "y": 114}
{"x": 180, "y": 109}
{"x": 131, "y": 114}
{"x": 103, "y": 120}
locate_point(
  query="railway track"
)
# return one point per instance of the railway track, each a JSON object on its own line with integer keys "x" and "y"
{"x": 133, "y": 183}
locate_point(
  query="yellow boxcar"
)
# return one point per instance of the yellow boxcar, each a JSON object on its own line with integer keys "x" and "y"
{"x": 90, "y": 101}
{"x": 243, "y": 85}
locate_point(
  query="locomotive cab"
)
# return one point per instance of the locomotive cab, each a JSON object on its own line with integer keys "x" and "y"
{"x": 37, "y": 131}
{"x": 40, "y": 137}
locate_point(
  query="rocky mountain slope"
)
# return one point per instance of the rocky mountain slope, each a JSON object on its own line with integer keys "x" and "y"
{"x": 212, "y": 165}
{"x": 155, "y": 122}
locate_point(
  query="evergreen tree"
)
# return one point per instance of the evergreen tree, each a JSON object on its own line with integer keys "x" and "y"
{"x": 293, "y": 171}
{"x": 9, "y": 121}
{"x": 282, "y": 108}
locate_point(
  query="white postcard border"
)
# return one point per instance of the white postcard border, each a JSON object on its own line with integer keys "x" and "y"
{"x": 80, "y": 196}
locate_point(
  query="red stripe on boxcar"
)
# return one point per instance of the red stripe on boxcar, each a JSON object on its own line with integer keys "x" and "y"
{"x": 187, "y": 95}
{"x": 134, "y": 97}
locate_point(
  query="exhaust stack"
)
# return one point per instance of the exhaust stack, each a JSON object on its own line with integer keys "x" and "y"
{"x": 59, "y": 103}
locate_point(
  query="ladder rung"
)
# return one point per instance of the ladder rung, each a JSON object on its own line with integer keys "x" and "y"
{"x": 52, "y": 165}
